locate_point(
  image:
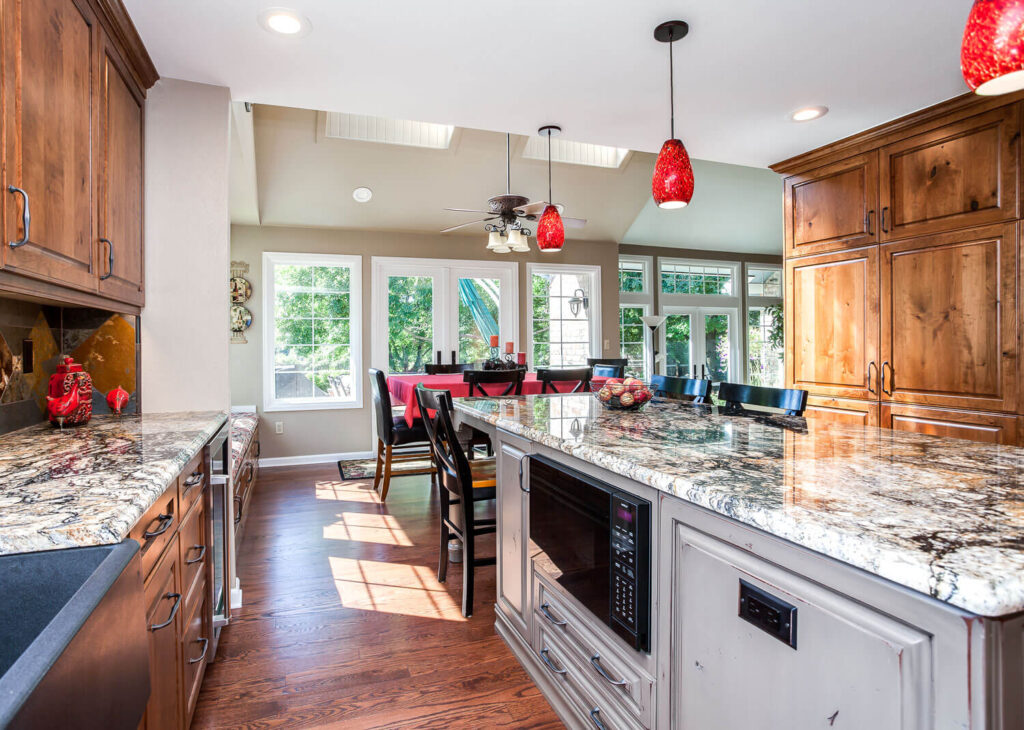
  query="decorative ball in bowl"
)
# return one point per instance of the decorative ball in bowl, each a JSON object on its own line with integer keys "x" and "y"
{"x": 618, "y": 394}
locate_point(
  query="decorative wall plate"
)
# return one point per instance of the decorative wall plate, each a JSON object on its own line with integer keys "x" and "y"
{"x": 241, "y": 289}
{"x": 241, "y": 318}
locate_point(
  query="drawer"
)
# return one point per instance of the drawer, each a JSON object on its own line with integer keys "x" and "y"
{"x": 606, "y": 665}
{"x": 594, "y": 709}
{"x": 156, "y": 527}
{"x": 195, "y": 644}
{"x": 192, "y": 542}
{"x": 191, "y": 482}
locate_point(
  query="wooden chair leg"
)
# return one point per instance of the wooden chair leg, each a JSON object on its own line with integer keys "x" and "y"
{"x": 387, "y": 473}
{"x": 380, "y": 464}
{"x": 442, "y": 565}
{"x": 468, "y": 558}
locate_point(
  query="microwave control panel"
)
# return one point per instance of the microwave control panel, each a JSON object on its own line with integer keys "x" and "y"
{"x": 625, "y": 562}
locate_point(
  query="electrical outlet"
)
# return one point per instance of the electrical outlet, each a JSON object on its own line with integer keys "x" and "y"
{"x": 607, "y": 344}
{"x": 278, "y": 426}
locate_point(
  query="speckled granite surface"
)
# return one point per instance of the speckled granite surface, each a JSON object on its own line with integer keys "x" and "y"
{"x": 89, "y": 485}
{"x": 941, "y": 516}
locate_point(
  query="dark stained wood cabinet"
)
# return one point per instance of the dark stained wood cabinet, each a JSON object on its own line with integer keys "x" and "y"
{"x": 832, "y": 207}
{"x": 163, "y": 598}
{"x": 993, "y": 428}
{"x": 832, "y": 324}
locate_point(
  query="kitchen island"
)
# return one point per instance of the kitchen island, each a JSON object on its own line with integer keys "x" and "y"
{"x": 897, "y": 558}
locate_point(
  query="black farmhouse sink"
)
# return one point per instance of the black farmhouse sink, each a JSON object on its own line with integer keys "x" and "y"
{"x": 73, "y": 644}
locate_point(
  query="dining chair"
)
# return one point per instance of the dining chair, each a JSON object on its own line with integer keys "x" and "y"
{"x": 442, "y": 369}
{"x": 620, "y": 361}
{"x": 461, "y": 485}
{"x": 512, "y": 379}
{"x": 695, "y": 390}
{"x": 397, "y": 441}
{"x": 609, "y": 371}
{"x": 736, "y": 395}
{"x": 549, "y": 376}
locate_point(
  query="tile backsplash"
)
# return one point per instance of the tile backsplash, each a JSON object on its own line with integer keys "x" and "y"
{"x": 103, "y": 342}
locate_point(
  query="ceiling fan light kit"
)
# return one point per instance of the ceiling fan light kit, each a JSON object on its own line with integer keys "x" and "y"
{"x": 992, "y": 53}
{"x": 672, "y": 184}
{"x": 550, "y": 229}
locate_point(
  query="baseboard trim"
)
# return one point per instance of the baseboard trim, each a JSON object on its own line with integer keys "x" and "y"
{"x": 314, "y": 458}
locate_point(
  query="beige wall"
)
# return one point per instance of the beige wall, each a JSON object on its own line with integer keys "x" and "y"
{"x": 184, "y": 326}
{"x": 349, "y": 430}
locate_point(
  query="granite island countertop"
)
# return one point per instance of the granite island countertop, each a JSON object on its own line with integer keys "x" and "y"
{"x": 88, "y": 485}
{"x": 941, "y": 516}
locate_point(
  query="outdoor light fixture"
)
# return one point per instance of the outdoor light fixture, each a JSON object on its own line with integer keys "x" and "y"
{"x": 578, "y": 301}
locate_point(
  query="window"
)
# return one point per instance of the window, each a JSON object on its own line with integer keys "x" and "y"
{"x": 636, "y": 298}
{"x": 764, "y": 281}
{"x": 632, "y": 342}
{"x": 699, "y": 342}
{"x": 558, "y": 336}
{"x": 632, "y": 277}
{"x": 311, "y": 331}
{"x": 685, "y": 277}
{"x": 764, "y": 346}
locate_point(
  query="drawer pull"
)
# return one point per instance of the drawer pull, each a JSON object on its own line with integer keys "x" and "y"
{"x": 26, "y": 218}
{"x": 165, "y": 524}
{"x": 597, "y": 720}
{"x": 202, "y": 554}
{"x": 595, "y": 661}
{"x": 110, "y": 259}
{"x": 544, "y": 658}
{"x": 174, "y": 612}
{"x": 206, "y": 645}
{"x": 195, "y": 478}
{"x": 549, "y": 616}
{"x": 238, "y": 511}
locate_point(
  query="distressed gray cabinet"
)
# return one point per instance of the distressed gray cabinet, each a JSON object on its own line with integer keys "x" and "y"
{"x": 512, "y": 516}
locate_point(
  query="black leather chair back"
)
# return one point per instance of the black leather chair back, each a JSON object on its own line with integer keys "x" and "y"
{"x": 621, "y": 361}
{"x": 441, "y": 369}
{"x": 790, "y": 400}
{"x": 580, "y": 376}
{"x": 381, "y": 405}
{"x": 694, "y": 389}
{"x": 452, "y": 464}
{"x": 512, "y": 378}
{"x": 609, "y": 371}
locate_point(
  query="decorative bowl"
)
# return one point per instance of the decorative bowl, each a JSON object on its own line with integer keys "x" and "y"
{"x": 622, "y": 394}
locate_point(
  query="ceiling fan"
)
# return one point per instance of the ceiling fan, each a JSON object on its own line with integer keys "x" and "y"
{"x": 506, "y": 212}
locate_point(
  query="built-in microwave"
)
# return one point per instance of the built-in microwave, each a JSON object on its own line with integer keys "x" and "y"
{"x": 594, "y": 541}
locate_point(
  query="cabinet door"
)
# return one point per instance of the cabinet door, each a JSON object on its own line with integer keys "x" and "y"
{"x": 992, "y": 428}
{"x": 163, "y": 619}
{"x": 119, "y": 182}
{"x": 963, "y": 174}
{"x": 512, "y": 516}
{"x": 949, "y": 319}
{"x": 832, "y": 324}
{"x": 833, "y": 207}
{"x": 49, "y": 57}
{"x": 842, "y": 411}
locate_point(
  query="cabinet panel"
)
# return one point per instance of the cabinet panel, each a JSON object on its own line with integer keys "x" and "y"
{"x": 119, "y": 183}
{"x": 512, "y": 515}
{"x": 833, "y": 207}
{"x": 992, "y": 428}
{"x": 832, "y": 324}
{"x": 195, "y": 645}
{"x": 163, "y": 620}
{"x": 842, "y": 411}
{"x": 963, "y": 174}
{"x": 49, "y": 115}
{"x": 949, "y": 319}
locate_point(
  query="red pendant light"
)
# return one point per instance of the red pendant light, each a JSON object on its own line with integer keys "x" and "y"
{"x": 550, "y": 230}
{"x": 672, "y": 185}
{"x": 992, "y": 54}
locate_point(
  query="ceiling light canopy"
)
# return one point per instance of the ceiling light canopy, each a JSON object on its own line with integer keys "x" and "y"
{"x": 809, "y": 113}
{"x": 672, "y": 185}
{"x": 992, "y": 53}
{"x": 362, "y": 195}
{"x": 284, "y": 21}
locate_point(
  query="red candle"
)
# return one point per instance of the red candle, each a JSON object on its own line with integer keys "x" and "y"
{"x": 508, "y": 348}
{"x": 494, "y": 340}
{"x": 521, "y": 358}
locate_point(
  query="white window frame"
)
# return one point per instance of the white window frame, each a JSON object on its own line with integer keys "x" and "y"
{"x": 643, "y": 299}
{"x": 646, "y": 309}
{"x": 751, "y": 301}
{"x": 593, "y": 313}
{"x": 700, "y": 300}
{"x": 697, "y": 326}
{"x": 355, "y": 310}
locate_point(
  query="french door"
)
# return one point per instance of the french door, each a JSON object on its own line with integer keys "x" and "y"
{"x": 423, "y": 308}
{"x": 700, "y": 341}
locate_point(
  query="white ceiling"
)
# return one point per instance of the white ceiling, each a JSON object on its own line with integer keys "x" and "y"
{"x": 591, "y": 66}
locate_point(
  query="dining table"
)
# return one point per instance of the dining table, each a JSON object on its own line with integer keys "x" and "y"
{"x": 403, "y": 388}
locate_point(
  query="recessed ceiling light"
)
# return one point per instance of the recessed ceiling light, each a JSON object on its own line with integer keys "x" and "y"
{"x": 362, "y": 195}
{"x": 808, "y": 113}
{"x": 284, "y": 21}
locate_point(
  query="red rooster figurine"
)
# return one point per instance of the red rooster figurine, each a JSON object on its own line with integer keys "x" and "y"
{"x": 63, "y": 407}
{"x": 69, "y": 402}
{"x": 117, "y": 399}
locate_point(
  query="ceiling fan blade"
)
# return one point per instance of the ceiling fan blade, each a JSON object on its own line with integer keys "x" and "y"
{"x": 471, "y": 223}
{"x": 536, "y": 208}
{"x": 469, "y": 210}
{"x": 574, "y": 222}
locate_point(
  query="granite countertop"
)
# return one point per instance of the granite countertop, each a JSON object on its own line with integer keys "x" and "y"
{"x": 941, "y": 516}
{"x": 88, "y": 485}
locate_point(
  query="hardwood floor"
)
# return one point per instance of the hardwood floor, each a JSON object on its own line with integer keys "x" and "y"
{"x": 345, "y": 625}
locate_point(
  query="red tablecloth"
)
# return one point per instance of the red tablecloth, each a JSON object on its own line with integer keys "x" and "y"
{"x": 403, "y": 388}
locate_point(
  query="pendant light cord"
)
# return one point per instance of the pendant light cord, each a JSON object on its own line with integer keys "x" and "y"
{"x": 671, "y": 87}
{"x": 550, "y": 201}
{"x": 508, "y": 163}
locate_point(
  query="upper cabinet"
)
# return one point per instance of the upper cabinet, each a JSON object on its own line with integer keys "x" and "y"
{"x": 833, "y": 207}
{"x": 74, "y": 74}
{"x": 958, "y": 175}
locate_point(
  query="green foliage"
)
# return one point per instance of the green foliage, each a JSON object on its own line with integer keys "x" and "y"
{"x": 631, "y": 281}
{"x": 764, "y": 345}
{"x": 410, "y": 323}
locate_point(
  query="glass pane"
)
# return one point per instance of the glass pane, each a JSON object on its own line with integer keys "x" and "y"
{"x": 410, "y": 323}
{"x": 631, "y": 340}
{"x": 678, "y": 345}
{"x": 764, "y": 346}
{"x": 716, "y": 345}
{"x": 764, "y": 281}
{"x": 559, "y": 336}
{"x": 286, "y": 277}
{"x": 331, "y": 278}
{"x": 332, "y": 370}
{"x": 696, "y": 279}
{"x": 478, "y": 317}
{"x": 631, "y": 276}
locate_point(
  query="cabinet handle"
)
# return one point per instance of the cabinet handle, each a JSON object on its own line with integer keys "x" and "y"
{"x": 549, "y": 616}
{"x": 206, "y": 645}
{"x": 194, "y": 479}
{"x": 870, "y": 379}
{"x": 202, "y": 554}
{"x": 238, "y": 512}
{"x": 174, "y": 612}
{"x": 521, "y": 487}
{"x": 885, "y": 228}
{"x": 165, "y": 524}
{"x": 259, "y": 449}
{"x": 551, "y": 666}
{"x": 595, "y": 661}
{"x": 892, "y": 378}
{"x": 26, "y": 218}
{"x": 110, "y": 258}
{"x": 252, "y": 472}
{"x": 870, "y": 221}
{"x": 597, "y": 720}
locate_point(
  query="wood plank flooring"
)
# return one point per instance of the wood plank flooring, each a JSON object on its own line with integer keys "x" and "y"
{"x": 345, "y": 625}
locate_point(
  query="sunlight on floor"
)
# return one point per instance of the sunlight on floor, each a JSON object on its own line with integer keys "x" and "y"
{"x": 347, "y": 491}
{"x": 409, "y": 590}
{"x": 362, "y": 527}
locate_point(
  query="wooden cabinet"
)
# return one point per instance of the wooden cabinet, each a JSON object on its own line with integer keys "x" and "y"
{"x": 949, "y": 319}
{"x": 842, "y": 411}
{"x": 512, "y": 512}
{"x": 832, "y": 323}
{"x": 994, "y": 428}
{"x": 163, "y": 600}
{"x": 958, "y": 175}
{"x": 833, "y": 207}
